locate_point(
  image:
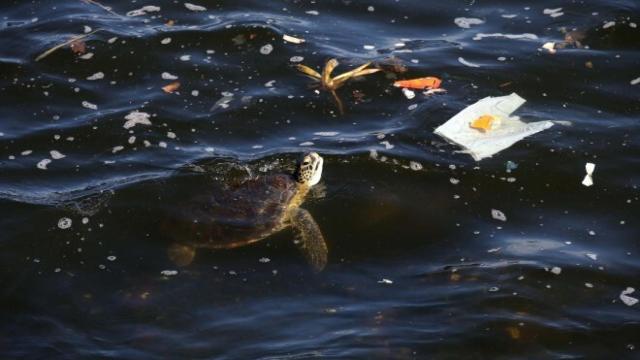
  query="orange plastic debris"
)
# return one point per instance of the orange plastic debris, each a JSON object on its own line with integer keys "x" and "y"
{"x": 483, "y": 123}
{"x": 171, "y": 87}
{"x": 428, "y": 82}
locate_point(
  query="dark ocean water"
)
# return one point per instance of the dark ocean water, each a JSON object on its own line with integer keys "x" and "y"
{"x": 418, "y": 268}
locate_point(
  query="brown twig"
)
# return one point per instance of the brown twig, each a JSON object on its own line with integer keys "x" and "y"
{"x": 105, "y": 8}
{"x": 55, "y": 48}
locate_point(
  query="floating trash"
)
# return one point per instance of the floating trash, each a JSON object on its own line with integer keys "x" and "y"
{"x": 504, "y": 131}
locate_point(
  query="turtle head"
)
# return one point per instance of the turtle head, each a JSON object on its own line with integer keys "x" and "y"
{"x": 309, "y": 169}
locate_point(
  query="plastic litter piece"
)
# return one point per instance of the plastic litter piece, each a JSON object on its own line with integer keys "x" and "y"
{"x": 626, "y": 299}
{"x": 588, "y": 179}
{"x": 429, "y": 82}
{"x": 481, "y": 145}
{"x": 483, "y": 123}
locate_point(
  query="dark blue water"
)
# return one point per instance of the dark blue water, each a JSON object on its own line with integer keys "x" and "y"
{"x": 418, "y": 268}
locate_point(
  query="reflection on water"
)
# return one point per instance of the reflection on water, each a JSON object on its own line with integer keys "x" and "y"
{"x": 94, "y": 155}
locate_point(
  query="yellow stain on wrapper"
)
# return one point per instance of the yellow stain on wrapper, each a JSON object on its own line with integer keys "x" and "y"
{"x": 483, "y": 123}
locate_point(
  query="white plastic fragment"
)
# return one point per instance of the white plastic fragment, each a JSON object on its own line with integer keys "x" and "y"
{"x": 525, "y": 36}
{"x": 385, "y": 281}
{"x": 291, "y": 39}
{"x": 409, "y": 94}
{"x": 264, "y": 260}
{"x": 588, "y": 179}
{"x": 626, "y": 299}
{"x": 326, "y": 133}
{"x": 89, "y": 105}
{"x": 97, "y": 76}
{"x": 609, "y": 24}
{"x": 136, "y": 117}
{"x": 550, "y": 46}
{"x": 266, "y": 49}
{"x": 169, "y": 272}
{"x": 635, "y": 81}
{"x": 56, "y": 155}
{"x": 464, "y": 62}
{"x": 64, "y": 223}
{"x": 42, "y": 164}
{"x": 498, "y": 215}
{"x": 143, "y": 10}
{"x": 556, "y": 270}
{"x": 592, "y": 256}
{"x": 165, "y": 41}
{"x": 168, "y": 76}
{"x": 194, "y": 7}
{"x": 467, "y": 22}
{"x": 485, "y": 144}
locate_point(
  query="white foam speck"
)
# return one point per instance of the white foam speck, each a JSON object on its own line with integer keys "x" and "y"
{"x": 169, "y": 272}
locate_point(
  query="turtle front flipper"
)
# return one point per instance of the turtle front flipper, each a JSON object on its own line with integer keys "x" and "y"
{"x": 181, "y": 254}
{"x": 309, "y": 238}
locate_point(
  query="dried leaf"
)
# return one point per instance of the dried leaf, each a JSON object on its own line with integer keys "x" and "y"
{"x": 59, "y": 46}
{"x": 309, "y": 71}
{"x": 170, "y": 23}
{"x": 428, "y": 82}
{"x": 78, "y": 47}
{"x": 171, "y": 87}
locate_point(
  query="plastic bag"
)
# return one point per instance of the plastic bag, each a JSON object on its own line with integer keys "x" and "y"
{"x": 505, "y": 131}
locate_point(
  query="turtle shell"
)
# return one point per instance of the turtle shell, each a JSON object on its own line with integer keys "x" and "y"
{"x": 234, "y": 215}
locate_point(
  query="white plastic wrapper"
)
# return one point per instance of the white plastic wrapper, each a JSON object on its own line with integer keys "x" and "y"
{"x": 588, "y": 179}
{"x": 507, "y": 131}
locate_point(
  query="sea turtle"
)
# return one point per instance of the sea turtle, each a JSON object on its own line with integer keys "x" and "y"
{"x": 234, "y": 215}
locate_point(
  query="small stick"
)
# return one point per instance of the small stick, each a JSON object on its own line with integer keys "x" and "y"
{"x": 106, "y": 8}
{"x": 75, "y": 38}
{"x": 338, "y": 102}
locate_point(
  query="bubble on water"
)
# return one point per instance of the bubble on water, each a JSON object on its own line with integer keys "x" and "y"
{"x": 266, "y": 49}
{"x": 111, "y": 258}
{"x": 64, "y": 223}
{"x": 165, "y": 41}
